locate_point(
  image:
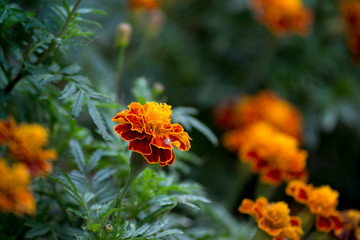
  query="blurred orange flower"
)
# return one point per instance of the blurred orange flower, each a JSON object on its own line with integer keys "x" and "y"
{"x": 273, "y": 218}
{"x": 15, "y": 196}
{"x": 144, "y": 4}
{"x": 351, "y": 230}
{"x": 149, "y": 130}
{"x": 322, "y": 202}
{"x": 283, "y": 17}
{"x": 26, "y": 143}
{"x": 272, "y": 154}
{"x": 268, "y": 106}
{"x": 350, "y": 11}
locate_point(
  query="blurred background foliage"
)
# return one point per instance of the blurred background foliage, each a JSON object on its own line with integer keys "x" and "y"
{"x": 204, "y": 52}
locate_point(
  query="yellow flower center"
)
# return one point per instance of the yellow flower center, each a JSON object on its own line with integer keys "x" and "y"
{"x": 277, "y": 215}
{"x": 157, "y": 115}
{"x": 323, "y": 200}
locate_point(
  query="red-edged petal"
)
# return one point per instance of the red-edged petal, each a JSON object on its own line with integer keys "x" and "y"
{"x": 272, "y": 176}
{"x": 180, "y": 141}
{"x": 177, "y": 127}
{"x": 162, "y": 142}
{"x": 136, "y": 122}
{"x": 162, "y": 156}
{"x": 323, "y": 223}
{"x": 337, "y": 223}
{"x": 141, "y": 146}
{"x": 295, "y": 221}
{"x": 120, "y": 117}
{"x": 136, "y": 109}
{"x": 125, "y": 132}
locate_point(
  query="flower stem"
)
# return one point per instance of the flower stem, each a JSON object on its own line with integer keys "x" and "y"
{"x": 307, "y": 219}
{"x": 137, "y": 165}
{"x": 265, "y": 190}
{"x": 261, "y": 235}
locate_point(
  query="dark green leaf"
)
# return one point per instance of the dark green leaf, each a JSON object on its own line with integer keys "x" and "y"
{"x": 78, "y": 103}
{"x": 99, "y": 122}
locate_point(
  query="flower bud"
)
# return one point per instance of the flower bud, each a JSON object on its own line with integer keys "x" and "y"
{"x": 123, "y": 34}
{"x": 158, "y": 89}
{"x": 108, "y": 228}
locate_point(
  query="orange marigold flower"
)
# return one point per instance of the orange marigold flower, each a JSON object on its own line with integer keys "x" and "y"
{"x": 272, "y": 154}
{"x": 149, "y": 130}
{"x": 273, "y": 218}
{"x": 15, "y": 196}
{"x": 322, "y": 202}
{"x": 283, "y": 17}
{"x": 268, "y": 106}
{"x": 350, "y": 11}
{"x": 27, "y": 145}
{"x": 144, "y": 4}
{"x": 351, "y": 230}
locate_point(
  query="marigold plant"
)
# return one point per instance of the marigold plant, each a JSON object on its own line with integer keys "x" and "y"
{"x": 322, "y": 202}
{"x": 26, "y": 143}
{"x": 283, "y": 17}
{"x": 350, "y": 11}
{"x": 149, "y": 130}
{"x": 272, "y": 154}
{"x": 273, "y": 218}
{"x": 15, "y": 196}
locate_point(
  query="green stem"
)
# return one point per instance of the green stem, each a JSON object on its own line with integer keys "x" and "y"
{"x": 307, "y": 219}
{"x": 261, "y": 235}
{"x": 243, "y": 177}
{"x": 265, "y": 190}
{"x": 137, "y": 165}
{"x": 120, "y": 66}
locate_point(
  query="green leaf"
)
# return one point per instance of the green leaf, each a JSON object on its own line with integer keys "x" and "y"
{"x": 98, "y": 120}
{"x": 94, "y": 160}
{"x": 77, "y": 154}
{"x": 169, "y": 232}
{"x": 102, "y": 175}
{"x": 78, "y": 103}
{"x": 37, "y": 231}
{"x": 67, "y": 8}
{"x": 203, "y": 129}
{"x": 52, "y": 78}
{"x": 72, "y": 69}
{"x": 90, "y": 10}
{"x": 68, "y": 90}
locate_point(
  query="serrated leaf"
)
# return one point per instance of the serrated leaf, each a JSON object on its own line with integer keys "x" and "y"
{"x": 37, "y": 231}
{"x": 90, "y": 10}
{"x": 98, "y": 120}
{"x": 89, "y": 196}
{"x": 169, "y": 232}
{"x": 204, "y": 130}
{"x": 76, "y": 212}
{"x": 72, "y": 69}
{"x": 102, "y": 175}
{"x": 69, "y": 89}
{"x": 77, "y": 154}
{"x": 141, "y": 230}
{"x": 78, "y": 103}
{"x": 94, "y": 160}
{"x": 53, "y": 78}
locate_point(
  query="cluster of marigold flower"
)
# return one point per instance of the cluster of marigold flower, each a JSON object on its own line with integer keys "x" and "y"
{"x": 23, "y": 158}
{"x": 265, "y": 131}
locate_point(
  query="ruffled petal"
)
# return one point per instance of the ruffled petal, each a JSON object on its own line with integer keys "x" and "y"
{"x": 323, "y": 224}
{"x": 163, "y": 142}
{"x": 136, "y": 122}
{"x": 337, "y": 222}
{"x": 162, "y": 156}
{"x": 141, "y": 146}
{"x": 268, "y": 229}
{"x": 272, "y": 176}
{"x": 120, "y": 117}
{"x": 180, "y": 141}
{"x": 125, "y": 132}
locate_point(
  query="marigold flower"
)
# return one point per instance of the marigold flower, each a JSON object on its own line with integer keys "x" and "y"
{"x": 149, "y": 130}
{"x": 322, "y": 202}
{"x": 15, "y": 196}
{"x": 273, "y": 218}
{"x": 350, "y": 11}
{"x": 144, "y": 4}
{"x": 268, "y": 106}
{"x": 351, "y": 230}
{"x": 272, "y": 154}
{"x": 27, "y": 145}
{"x": 283, "y": 17}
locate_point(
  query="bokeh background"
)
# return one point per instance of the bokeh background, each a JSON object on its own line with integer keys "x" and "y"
{"x": 204, "y": 52}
